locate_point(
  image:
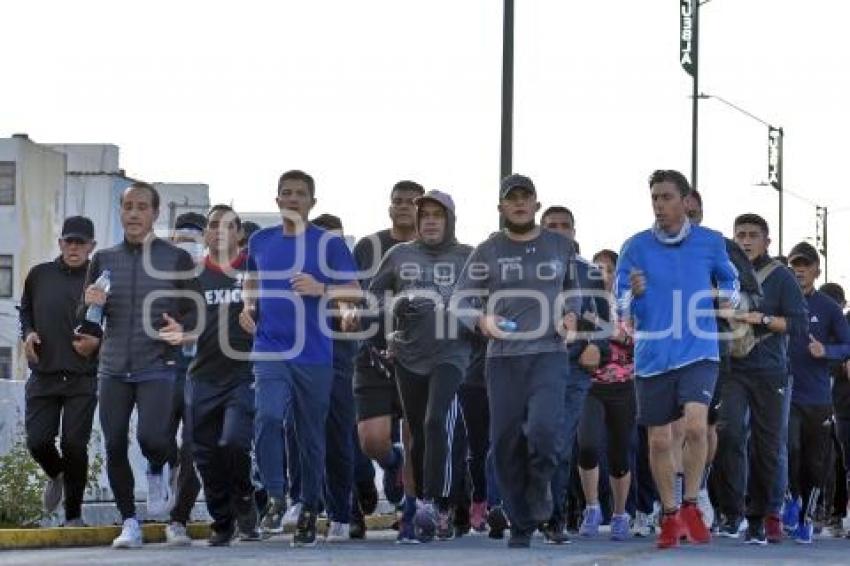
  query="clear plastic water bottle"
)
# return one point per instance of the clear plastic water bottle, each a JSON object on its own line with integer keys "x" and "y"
{"x": 507, "y": 325}
{"x": 190, "y": 350}
{"x": 94, "y": 313}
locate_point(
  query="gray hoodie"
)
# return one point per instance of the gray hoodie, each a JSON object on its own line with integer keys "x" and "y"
{"x": 416, "y": 280}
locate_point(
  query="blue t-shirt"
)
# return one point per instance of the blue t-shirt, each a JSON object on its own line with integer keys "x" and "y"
{"x": 290, "y": 325}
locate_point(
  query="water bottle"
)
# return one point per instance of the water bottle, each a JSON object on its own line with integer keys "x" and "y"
{"x": 506, "y": 325}
{"x": 190, "y": 350}
{"x": 94, "y": 313}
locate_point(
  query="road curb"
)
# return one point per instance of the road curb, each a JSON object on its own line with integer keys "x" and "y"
{"x": 17, "y": 539}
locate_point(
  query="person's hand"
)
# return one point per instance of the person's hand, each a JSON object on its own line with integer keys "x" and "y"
{"x": 570, "y": 324}
{"x": 94, "y": 296}
{"x": 489, "y": 326}
{"x": 350, "y": 319}
{"x": 754, "y": 317}
{"x": 172, "y": 332}
{"x": 32, "y": 340}
{"x": 637, "y": 280}
{"x": 306, "y": 285}
{"x": 246, "y": 319}
{"x": 84, "y": 344}
{"x": 816, "y": 349}
{"x": 590, "y": 358}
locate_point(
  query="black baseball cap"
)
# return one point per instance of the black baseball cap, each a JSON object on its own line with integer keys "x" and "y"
{"x": 515, "y": 181}
{"x": 804, "y": 251}
{"x": 191, "y": 221}
{"x": 78, "y": 228}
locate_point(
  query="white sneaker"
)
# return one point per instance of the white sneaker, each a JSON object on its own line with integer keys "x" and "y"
{"x": 704, "y": 504}
{"x": 157, "y": 495}
{"x": 290, "y": 518}
{"x": 337, "y": 532}
{"x": 175, "y": 535}
{"x": 642, "y": 526}
{"x": 130, "y": 537}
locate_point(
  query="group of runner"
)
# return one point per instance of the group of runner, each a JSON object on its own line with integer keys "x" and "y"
{"x": 689, "y": 381}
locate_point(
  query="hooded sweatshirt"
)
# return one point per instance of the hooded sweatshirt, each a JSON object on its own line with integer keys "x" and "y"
{"x": 415, "y": 282}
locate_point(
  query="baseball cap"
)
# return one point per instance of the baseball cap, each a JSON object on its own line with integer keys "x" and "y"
{"x": 441, "y": 198}
{"x": 79, "y": 228}
{"x": 190, "y": 221}
{"x": 515, "y": 182}
{"x": 806, "y": 251}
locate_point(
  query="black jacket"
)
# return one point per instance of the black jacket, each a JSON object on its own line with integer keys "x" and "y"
{"x": 137, "y": 271}
{"x": 52, "y": 291}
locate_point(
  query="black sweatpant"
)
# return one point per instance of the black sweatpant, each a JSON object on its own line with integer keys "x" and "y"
{"x": 431, "y": 409}
{"x": 152, "y": 400}
{"x": 476, "y": 416}
{"x": 180, "y": 456}
{"x": 607, "y": 418}
{"x": 71, "y": 400}
{"x": 809, "y": 438}
{"x": 220, "y": 421}
{"x": 762, "y": 397}
{"x": 526, "y": 396}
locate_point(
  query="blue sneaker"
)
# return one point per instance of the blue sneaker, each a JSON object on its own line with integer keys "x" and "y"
{"x": 425, "y": 523}
{"x": 393, "y": 484}
{"x": 590, "y": 523}
{"x": 805, "y": 532}
{"x": 406, "y": 534}
{"x": 620, "y": 527}
{"x": 791, "y": 514}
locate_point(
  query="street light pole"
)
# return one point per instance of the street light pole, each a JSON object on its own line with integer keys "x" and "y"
{"x": 775, "y": 157}
{"x": 506, "y": 165}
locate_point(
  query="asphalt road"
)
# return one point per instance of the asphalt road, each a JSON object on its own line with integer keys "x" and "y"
{"x": 381, "y": 549}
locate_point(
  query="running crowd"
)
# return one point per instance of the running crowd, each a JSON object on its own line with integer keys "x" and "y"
{"x": 688, "y": 385}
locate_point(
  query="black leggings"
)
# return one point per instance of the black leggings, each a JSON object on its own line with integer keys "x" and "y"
{"x": 431, "y": 409}
{"x": 476, "y": 415}
{"x": 809, "y": 438}
{"x": 608, "y": 415}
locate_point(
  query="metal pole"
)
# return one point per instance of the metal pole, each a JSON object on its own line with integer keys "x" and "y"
{"x": 695, "y": 100}
{"x": 781, "y": 186}
{"x": 506, "y": 165}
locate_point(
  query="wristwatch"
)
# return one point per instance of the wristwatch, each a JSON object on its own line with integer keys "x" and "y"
{"x": 766, "y": 320}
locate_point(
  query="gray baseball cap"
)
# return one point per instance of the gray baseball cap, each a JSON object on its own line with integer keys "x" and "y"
{"x": 515, "y": 181}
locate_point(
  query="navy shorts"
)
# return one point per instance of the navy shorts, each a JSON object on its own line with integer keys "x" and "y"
{"x": 661, "y": 398}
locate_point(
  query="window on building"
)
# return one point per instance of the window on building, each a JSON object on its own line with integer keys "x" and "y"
{"x": 7, "y": 285}
{"x": 7, "y": 182}
{"x": 5, "y": 362}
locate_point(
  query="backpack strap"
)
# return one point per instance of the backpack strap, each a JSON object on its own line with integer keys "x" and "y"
{"x": 763, "y": 273}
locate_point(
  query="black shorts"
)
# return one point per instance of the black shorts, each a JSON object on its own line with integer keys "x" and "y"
{"x": 661, "y": 398}
{"x": 375, "y": 394}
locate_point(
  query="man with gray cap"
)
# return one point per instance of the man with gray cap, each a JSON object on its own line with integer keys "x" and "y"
{"x": 513, "y": 289}
{"x": 414, "y": 283}
{"x": 62, "y": 383}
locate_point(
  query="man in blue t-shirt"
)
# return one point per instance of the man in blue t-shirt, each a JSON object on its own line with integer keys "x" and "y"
{"x": 294, "y": 268}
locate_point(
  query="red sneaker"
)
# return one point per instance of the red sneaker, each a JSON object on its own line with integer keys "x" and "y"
{"x": 773, "y": 528}
{"x": 671, "y": 529}
{"x": 693, "y": 524}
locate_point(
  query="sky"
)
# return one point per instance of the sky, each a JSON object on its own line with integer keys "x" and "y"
{"x": 363, "y": 94}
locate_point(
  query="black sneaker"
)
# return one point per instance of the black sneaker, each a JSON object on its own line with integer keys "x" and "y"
{"x": 554, "y": 533}
{"x": 498, "y": 522}
{"x": 520, "y": 538}
{"x": 246, "y": 518}
{"x": 755, "y": 531}
{"x": 357, "y": 527}
{"x": 272, "y": 523}
{"x": 305, "y": 529}
{"x": 222, "y": 537}
{"x": 461, "y": 520}
{"x": 729, "y": 527}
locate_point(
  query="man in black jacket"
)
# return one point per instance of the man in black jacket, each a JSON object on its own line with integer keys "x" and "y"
{"x": 61, "y": 386}
{"x": 150, "y": 302}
